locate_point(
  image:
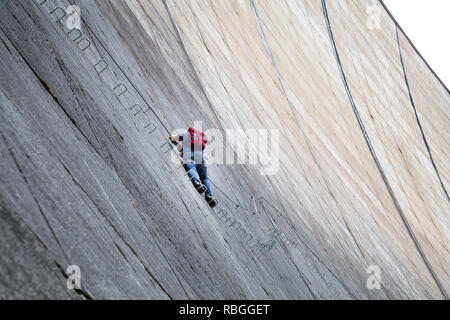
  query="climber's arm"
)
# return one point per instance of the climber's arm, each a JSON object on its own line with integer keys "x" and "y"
{"x": 175, "y": 139}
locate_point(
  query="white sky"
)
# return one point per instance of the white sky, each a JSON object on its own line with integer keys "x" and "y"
{"x": 427, "y": 24}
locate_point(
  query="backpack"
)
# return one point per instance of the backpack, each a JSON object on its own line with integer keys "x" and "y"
{"x": 197, "y": 138}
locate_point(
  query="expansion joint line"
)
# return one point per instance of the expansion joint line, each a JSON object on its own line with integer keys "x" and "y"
{"x": 417, "y": 116}
{"x": 292, "y": 107}
{"x": 272, "y": 59}
{"x": 413, "y": 46}
{"x": 375, "y": 157}
{"x": 283, "y": 88}
{"x": 123, "y": 72}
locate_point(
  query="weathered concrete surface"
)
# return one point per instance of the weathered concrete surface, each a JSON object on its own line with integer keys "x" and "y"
{"x": 83, "y": 182}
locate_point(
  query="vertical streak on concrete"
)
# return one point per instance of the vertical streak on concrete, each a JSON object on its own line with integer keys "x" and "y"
{"x": 374, "y": 155}
{"x": 417, "y": 115}
{"x": 194, "y": 71}
{"x": 274, "y": 64}
{"x": 283, "y": 87}
{"x": 291, "y": 105}
{"x": 123, "y": 71}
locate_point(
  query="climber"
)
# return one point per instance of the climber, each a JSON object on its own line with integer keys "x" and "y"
{"x": 192, "y": 145}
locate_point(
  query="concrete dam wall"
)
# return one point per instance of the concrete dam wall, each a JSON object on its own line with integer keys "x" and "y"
{"x": 350, "y": 202}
